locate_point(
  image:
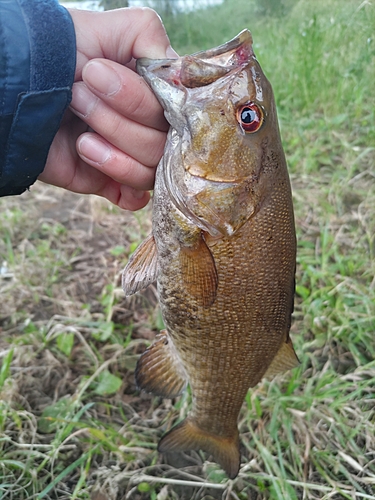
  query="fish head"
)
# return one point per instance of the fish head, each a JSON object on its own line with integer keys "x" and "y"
{"x": 222, "y": 114}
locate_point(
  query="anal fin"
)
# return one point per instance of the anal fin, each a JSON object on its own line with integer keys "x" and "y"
{"x": 159, "y": 370}
{"x": 199, "y": 272}
{"x": 188, "y": 436}
{"x": 285, "y": 359}
{"x": 142, "y": 268}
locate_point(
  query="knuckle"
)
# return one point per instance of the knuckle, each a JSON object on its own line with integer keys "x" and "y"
{"x": 151, "y": 20}
{"x": 115, "y": 129}
{"x": 156, "y": 152}
{"x": 150, "y": 15}
{"x": 138, "y": 104}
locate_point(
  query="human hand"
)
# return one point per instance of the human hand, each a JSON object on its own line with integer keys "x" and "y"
{"x": 112, "y": 137}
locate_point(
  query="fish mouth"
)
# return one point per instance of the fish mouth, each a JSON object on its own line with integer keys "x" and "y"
{"x": 201, "y": 68}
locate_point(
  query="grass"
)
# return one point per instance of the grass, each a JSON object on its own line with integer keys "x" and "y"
{"x": 73, "y": 426}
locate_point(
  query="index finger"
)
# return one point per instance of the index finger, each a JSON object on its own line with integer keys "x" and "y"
{"x": 124, "y": 91}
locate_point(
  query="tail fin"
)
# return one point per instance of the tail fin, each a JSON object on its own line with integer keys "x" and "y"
{"x": 187, "y": 436}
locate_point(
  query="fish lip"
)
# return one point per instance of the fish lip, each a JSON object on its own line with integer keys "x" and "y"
{"x": 145, "y": 63}
{"x": 225, "y": 58}
{"x": 243, "y": 38}
{"x": 167, "y": 70}
{"x": 212, "y": 180}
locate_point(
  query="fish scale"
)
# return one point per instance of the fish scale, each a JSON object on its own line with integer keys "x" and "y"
{"x": 222, "y": 247}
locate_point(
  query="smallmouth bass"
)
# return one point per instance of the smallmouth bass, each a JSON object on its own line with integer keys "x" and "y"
{"x": 222, "y": 248}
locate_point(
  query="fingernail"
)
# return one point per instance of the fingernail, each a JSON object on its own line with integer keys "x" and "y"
{"x": 138, "y": 194}
{"x": 171, "y": 54}
{"x": 83, "y": 100}
{"x": 94, "y": 149}
{"x": 101, "y": 77}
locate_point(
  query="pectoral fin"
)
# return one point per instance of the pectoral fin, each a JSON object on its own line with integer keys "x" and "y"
{"x": 199, "y": 272}
{"x": 188, "y": 436}
{"x": 159, "y": 369}
{"x": 142, "y": 268}
{"x": 285, "y": 359}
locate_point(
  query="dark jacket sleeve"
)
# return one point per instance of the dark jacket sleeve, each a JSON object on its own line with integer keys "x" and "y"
{"x": 37, "y": 65}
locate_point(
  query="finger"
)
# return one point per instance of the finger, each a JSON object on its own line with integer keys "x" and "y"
{"x": 125, "y": 91}
{"x": 148, "y": 36}
{"x": 119, "y": 35}
{"x": 115, "y": 164}
{"x": 142, "y": 143}
{"x": 125, "y": 196}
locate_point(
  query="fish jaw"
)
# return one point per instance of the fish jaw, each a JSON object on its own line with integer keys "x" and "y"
{"x": 201, "y": 68}
{"x": 166, "y": 93}
{"x": 218, "y": 208}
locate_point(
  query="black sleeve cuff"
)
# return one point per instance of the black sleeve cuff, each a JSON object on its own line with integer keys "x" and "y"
{"x": 36, "y": 77}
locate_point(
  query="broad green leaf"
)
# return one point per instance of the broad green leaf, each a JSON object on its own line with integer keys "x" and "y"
{"x": 104, "y": 331}
{"x": 144, "y": 487}
{"x": 108, "y": 383}
{"x": 65, "y": 342}
{"x": 118, "y": 250}
{"x": 53, "y": 414}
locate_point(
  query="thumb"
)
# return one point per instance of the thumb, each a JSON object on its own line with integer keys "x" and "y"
{"x": 120, "y": 35}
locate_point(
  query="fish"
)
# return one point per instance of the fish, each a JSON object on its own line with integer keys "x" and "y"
{"x": 222, "y": 247}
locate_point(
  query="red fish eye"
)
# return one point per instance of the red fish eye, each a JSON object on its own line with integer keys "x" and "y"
{"x": 250, "y": 117}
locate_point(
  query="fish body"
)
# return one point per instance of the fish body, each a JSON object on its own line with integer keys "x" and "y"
{"x": 222, "y": 247}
